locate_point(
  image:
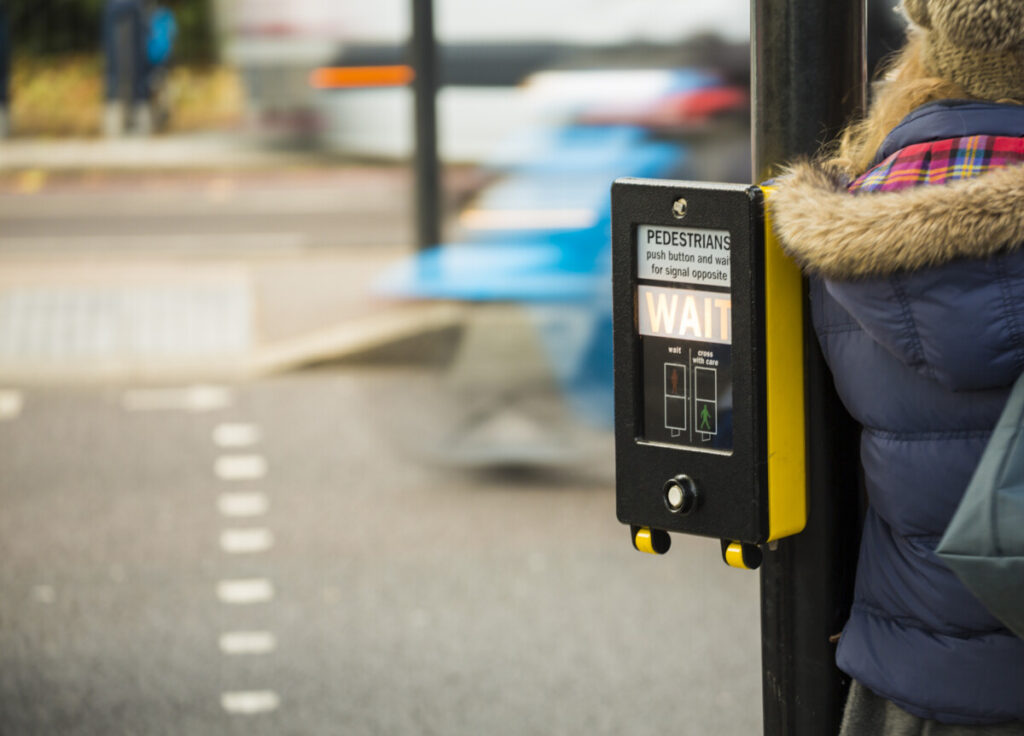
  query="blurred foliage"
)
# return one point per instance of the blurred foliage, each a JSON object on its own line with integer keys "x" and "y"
{"x": 56, "y": 96}
{"x": 201, "y": 98}
{"x": 62, "y": 96}
{"x": 61, "y": 27}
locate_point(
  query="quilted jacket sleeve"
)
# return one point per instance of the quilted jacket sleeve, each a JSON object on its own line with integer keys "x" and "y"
{"x": 961, "y": 324}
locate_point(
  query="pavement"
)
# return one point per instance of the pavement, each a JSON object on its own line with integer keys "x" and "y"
{"x": 218, "y": 320}
{"x": 216, "y": 150}
{"x": 183, "y": 257}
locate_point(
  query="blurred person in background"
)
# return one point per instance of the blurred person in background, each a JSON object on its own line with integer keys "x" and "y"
{"x": 138, "y": 37}
{"x": 125, "y": 82}
{"x": 912, "y": 228}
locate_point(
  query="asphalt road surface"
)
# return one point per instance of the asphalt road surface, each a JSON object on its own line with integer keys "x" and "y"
{"x": 205, "y": 212}
{"x": 264, "y": 558}
{"x": 210, "y": 213}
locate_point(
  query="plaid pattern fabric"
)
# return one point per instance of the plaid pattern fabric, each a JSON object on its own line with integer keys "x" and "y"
{"x": 938, "y": 162}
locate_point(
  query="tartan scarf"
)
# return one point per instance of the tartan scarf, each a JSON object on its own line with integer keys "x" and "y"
{"x": 939, "y": 162}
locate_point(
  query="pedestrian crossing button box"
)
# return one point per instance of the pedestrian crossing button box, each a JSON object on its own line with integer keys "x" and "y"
{"x": 709, "y": 406}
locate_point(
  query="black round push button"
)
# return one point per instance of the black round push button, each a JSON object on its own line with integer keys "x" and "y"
{"x": 681, "y": 495}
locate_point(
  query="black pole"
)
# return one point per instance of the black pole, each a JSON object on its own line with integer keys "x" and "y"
{"x": 428, "y": 181}
{"x": 808, "y": 75}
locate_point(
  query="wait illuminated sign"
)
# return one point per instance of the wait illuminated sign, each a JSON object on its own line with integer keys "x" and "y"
{"x": 685, "y": 314}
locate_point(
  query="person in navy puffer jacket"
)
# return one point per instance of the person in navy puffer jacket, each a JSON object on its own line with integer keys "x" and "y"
{"x": 912, "y": 230}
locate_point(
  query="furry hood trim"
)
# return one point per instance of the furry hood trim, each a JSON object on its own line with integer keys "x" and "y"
{"x": 838, "y": 235}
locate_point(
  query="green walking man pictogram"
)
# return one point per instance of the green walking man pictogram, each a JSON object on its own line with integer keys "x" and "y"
{"x": 705, "y": 418}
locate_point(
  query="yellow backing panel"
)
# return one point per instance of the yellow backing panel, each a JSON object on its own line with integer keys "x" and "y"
{"x": 784, "y": 362}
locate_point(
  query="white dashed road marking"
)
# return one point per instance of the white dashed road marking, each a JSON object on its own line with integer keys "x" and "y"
{"x": 241, "y": 467}
{"x": 246, "y": 541}
{"x": 191, "y": 398}
{"x": 248, "y": 642}
{"x": 241, "y": 592}
{"x": 243, "y": 505}
{"x": 11, "y": 403}
{"x": 236, "y": 435}
{"x": 250, "y": 702}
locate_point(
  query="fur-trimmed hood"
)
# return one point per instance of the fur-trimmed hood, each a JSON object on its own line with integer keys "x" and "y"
{"x": 837, "y": 235}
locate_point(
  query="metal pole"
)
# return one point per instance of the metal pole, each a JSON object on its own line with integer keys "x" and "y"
{"x": 428, "y": 182}
{"x": 808, "y": 74}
